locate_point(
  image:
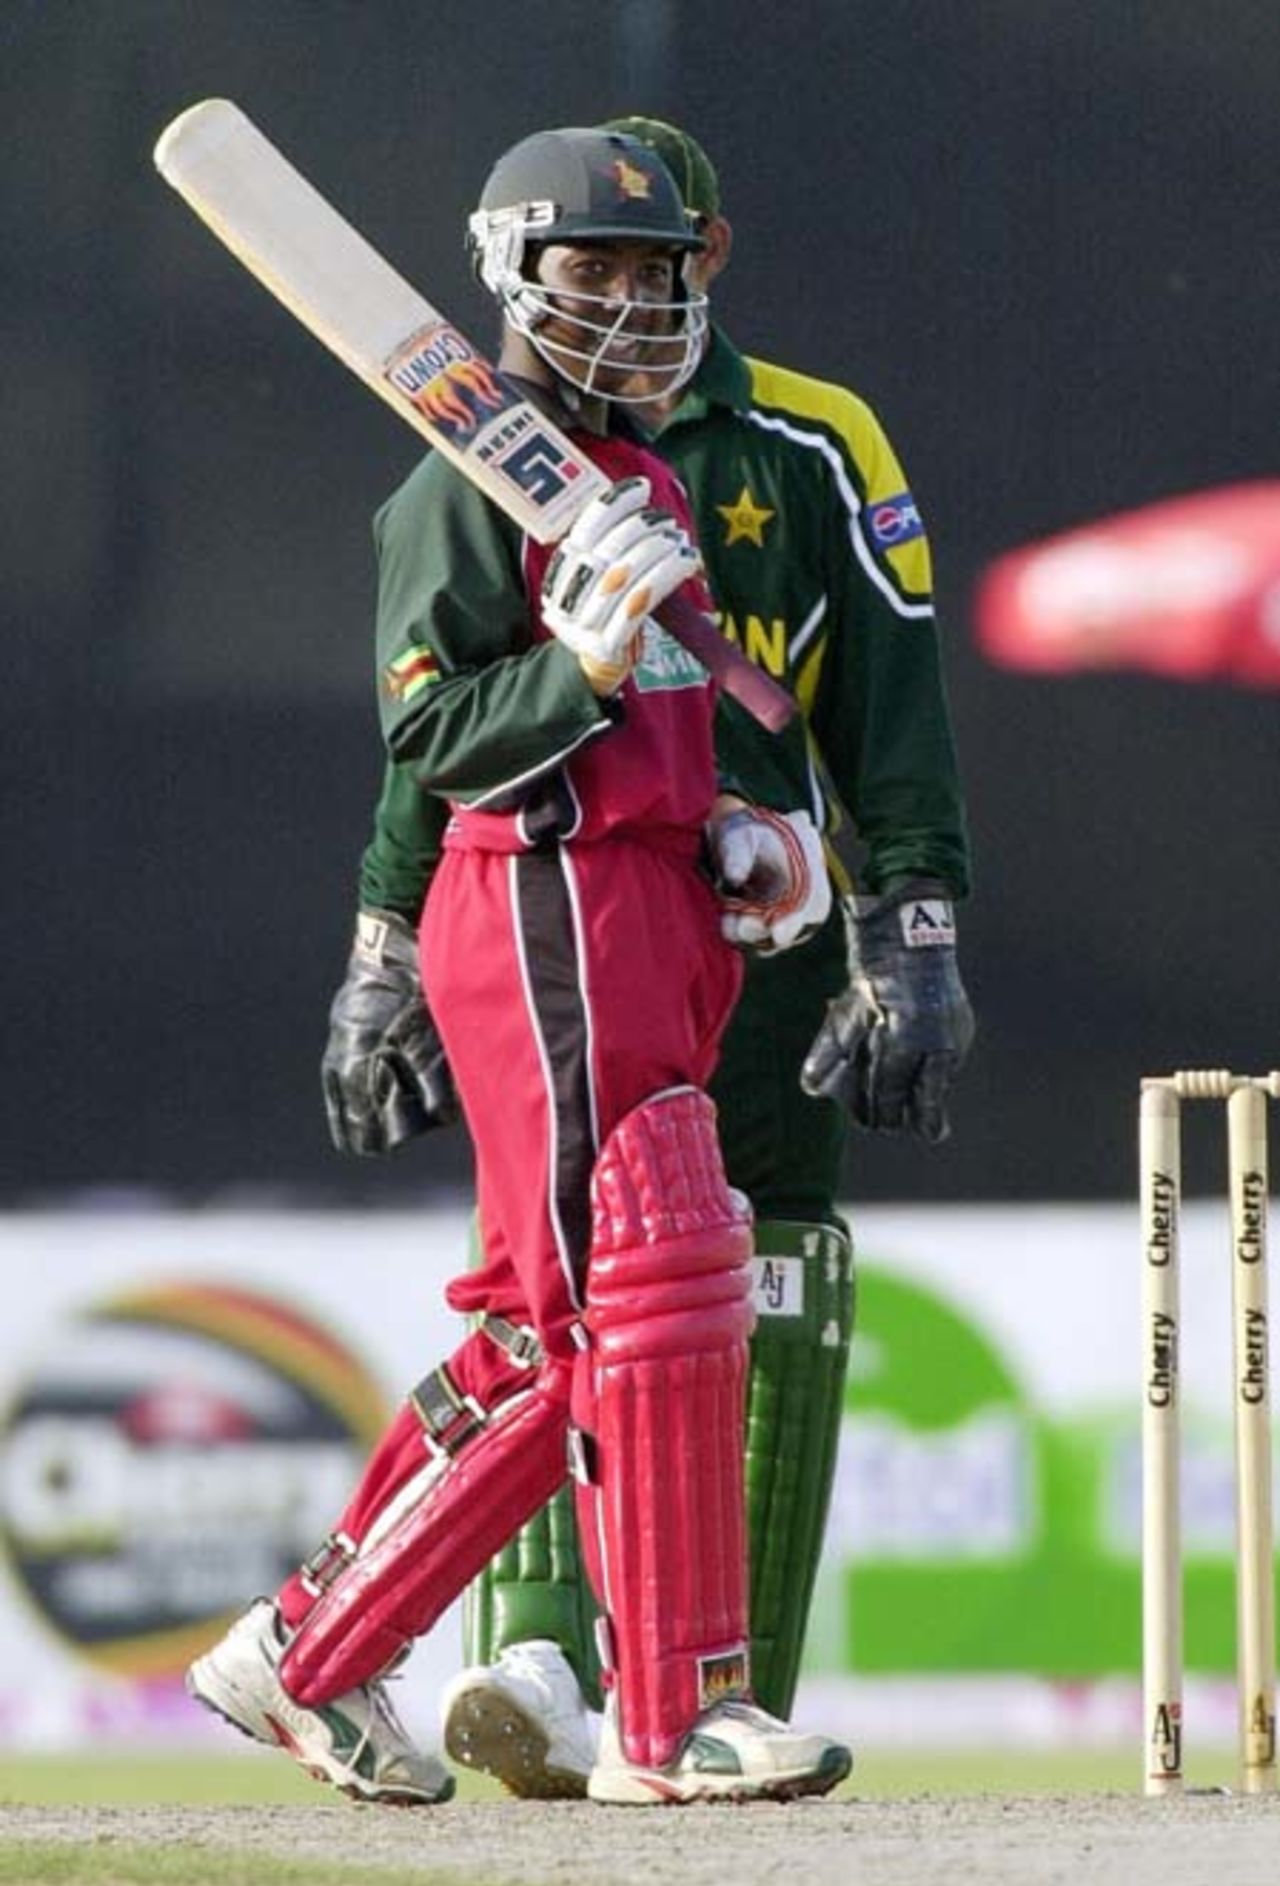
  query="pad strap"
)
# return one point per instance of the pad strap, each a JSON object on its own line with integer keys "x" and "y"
{"x": 330, "y": 1558}
{"x": 449, "y": 1418}
{"x": 518, "y": 1340}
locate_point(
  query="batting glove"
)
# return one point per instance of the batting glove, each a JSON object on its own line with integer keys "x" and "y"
{"x": 772, "y": 877}
{"x": 618, "y": 562}
{"x": 891, "y": 1044}
{"x": 384, "y": 1071}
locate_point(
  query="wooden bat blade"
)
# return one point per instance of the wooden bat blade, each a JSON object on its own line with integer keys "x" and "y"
{"x": 346, "y": 294}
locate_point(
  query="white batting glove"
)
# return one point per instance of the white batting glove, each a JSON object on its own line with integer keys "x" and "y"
{"x": 617, "y": 563}
{"x": 772, "y": 877}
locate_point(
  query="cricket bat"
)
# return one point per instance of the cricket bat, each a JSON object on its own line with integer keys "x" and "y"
{"x": 404, "y": 349}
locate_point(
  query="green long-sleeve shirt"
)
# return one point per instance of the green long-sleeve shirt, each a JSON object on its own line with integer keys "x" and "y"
{"x": 819, "y": 564}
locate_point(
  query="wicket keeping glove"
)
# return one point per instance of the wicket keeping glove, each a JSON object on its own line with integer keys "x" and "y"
{"x": 384, "y": 1071}
{"x": 771, "y": 875}
{"x": 891, "y": 1043}
{"x": 620, "y": 559}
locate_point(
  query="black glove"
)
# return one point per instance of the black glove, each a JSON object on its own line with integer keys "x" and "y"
{"x": 891, "y": 1043}
{"x": 384, "y": 1071}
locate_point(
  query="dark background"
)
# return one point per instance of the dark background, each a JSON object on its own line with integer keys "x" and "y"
{"x": 1040, "y": 236}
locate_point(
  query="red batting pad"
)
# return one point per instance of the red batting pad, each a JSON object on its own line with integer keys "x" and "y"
{"x": 397, "y": 1588}
{"x": 1188, "y": 588}
{"x": 661, "y": 1393}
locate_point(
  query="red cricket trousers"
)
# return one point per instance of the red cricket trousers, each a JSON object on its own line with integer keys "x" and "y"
{"x": 568, "y": 986}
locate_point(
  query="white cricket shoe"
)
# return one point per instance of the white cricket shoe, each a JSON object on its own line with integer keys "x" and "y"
{"x": 356, "y": 1741}
{"x": 523, "y": 1719}
{"x": 734, "y": 1752}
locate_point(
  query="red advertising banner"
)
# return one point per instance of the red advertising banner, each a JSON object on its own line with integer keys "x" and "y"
{"x": 1188, "y": 588}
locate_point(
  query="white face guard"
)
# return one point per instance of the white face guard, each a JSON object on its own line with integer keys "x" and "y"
{"x": 667, "y": 361}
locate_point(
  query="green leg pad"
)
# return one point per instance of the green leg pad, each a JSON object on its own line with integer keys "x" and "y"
{"x": 799, "y": 1354}
{"x": 536, "y": 1587}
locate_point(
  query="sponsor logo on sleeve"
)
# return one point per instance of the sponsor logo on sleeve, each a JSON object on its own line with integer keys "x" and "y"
{"x": 894, "y": 521}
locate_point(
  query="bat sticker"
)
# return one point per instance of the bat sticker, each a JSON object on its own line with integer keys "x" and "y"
{"x": 538, "y": 466}
{"x": 440, "y": 373}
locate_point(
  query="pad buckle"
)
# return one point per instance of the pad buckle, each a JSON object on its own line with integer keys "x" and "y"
{"x": 519, "y": 1340}
{"x": 449, "y": 1419}
{"x": 469, "y": 1420}
{"x": 327, "y": 1563}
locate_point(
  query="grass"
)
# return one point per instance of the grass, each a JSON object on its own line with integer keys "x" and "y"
{"x": 99, "y": 1863}
{"x": 266, "y": 1779}
{"x": 890, "y": 1775}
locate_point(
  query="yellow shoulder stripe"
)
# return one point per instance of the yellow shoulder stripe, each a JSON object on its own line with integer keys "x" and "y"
{"x": 801, "y": 397}
{"x": 797, "y": 396}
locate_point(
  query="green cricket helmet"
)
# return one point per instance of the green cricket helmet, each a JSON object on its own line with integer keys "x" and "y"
{"x": 585, "y": 186}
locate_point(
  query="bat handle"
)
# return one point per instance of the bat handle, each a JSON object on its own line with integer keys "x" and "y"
{"x": 750, "y": 686}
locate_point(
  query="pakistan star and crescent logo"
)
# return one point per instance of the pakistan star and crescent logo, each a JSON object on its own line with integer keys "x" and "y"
{"x": 745, "y": 519}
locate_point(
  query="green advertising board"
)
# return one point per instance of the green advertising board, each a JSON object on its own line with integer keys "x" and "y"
{"x": 973, "y": 1534}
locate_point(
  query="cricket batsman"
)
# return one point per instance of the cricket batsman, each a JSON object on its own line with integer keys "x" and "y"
{"x": 576, "y": 951}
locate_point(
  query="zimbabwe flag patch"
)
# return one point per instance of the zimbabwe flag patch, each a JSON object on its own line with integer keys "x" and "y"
{"x": 410, "y": 671}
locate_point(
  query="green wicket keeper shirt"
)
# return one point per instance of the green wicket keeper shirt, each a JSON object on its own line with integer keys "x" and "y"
{"x": 818, "y": 560}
